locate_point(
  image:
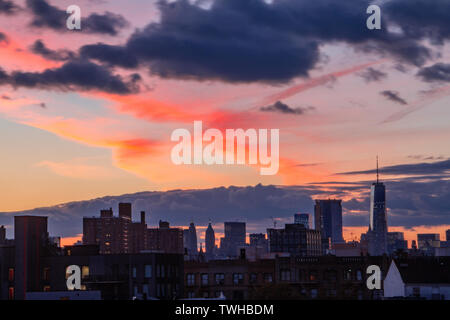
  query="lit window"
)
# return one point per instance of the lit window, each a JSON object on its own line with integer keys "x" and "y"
{"x": 11, "y": 293}
{"x": 84, "y": 272}
{"x": 11, "y": 274}
{"x": 134, "y": 272}
{"x": 46, "y": 274}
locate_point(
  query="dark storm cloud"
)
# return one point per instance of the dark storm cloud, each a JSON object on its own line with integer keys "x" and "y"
{"x": 111, "y": 55}
{"x": 393, "y": 96}
{"x": 252, "y": 41}
{"x": 372, "y": 75}
{"x": 421, "y": 18}
{"x": 250, "y": 204}
{"x": 46, "y": 15}
{"x": 39, "y": 48}
{"x": 439, "y": 72}
{"x": 281, "y": 107}
{"x": 410, "y": 203}
{"x": 81, "y": 75}
{"x": 8, "y": 7}
{"x": 424, "y": 168}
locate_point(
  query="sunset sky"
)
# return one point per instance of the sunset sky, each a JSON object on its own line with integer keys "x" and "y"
{"x": 89, "y": 113}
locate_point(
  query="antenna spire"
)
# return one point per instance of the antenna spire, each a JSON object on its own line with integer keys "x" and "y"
{"x": 377, "y": 170}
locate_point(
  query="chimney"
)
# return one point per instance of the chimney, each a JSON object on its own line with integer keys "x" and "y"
{"x": 142, "y": 217}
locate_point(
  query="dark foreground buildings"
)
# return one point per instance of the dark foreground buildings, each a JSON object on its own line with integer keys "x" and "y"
{"x": 325, "y": 277}
{"x": 33, "y": 264}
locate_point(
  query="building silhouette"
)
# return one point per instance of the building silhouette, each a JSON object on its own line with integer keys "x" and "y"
{"x": 2, "y": 235}
{"x": 165, "y": 239}
{"x": 235, "y": 238}
{"x": 378, "y": 219}
{"x": 296, "y": 240}
{"x": 210, "y": 242}
{"x": 395, "y": 242}
{"x": 328, "y": 220}
{"x": 303, "y": 218}
{"x": 115, "y": 235}
{"x": 31, "y": 241}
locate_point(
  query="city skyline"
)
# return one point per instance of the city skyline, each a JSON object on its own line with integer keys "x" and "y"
{"x": 87, "y": 115}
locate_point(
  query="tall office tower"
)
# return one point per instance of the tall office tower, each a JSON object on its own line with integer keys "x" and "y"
{"x": 186, "y": 240}
{"x": 192, "y": 240}
{"x": 235, "y": 234}
{"x": 328, "y": 220}
{"x": 2, "y": 235}
{"x": 31, "y": 239}
{"x": 210, "y": 241}
{"x": 302, "y": 218}
{"x": 378, "y": 219}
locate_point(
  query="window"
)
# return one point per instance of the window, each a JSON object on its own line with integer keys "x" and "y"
{"x": 331, "y": 275}
{"x": 285, "y": 275}
{"x": 348, "y": 274}
{"x": 359, "y": 275}
{"x": 220, "y": 279}
{"x": 84, "y": 272}
{"x": 238, "y": 278}
{"x": 46, "y": 273}
{"x": 134, "y": 272}
{"x": 268, "y": 277}
{"x": 313, "y": 276}
{"x": 253, "y": 277}
{"x": 313, "y": 293}
{"x": 46, "y": 288}
{"x": 148, "y": 270}
{"x": 163, "y": 268}
{"x": 11, "y": 293}
{"x": 145, "y": 290}
{"x": 204, "y": 279}
{"x": 158, "y": 270}
{"x": 190, "y": 279}
{"x": 191, "y": 294}
{"x": 416, "y": 291}
{"x": 11, "y": 274}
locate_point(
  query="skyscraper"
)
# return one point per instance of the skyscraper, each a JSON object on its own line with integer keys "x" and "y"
{"x": 210, "y": 241}
{"x": 378, "y": 219}
{"x": 235, "y": 234}
{"x": 328, "y": 219}
{"x": 192, "y": 240}
{"x": 302, "y": 218}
